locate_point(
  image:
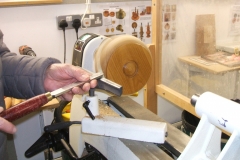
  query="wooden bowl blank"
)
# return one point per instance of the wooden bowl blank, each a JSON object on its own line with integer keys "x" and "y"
{"x": 125, "y": 60}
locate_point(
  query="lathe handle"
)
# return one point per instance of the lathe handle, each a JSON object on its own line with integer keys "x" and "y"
{"x": 24, "y": 108}
{"x": 36, "y": 149}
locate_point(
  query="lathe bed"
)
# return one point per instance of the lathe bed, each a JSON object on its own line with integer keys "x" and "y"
{"x": 176, "y": 140}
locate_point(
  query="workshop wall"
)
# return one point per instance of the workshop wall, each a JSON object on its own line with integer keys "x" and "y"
{"x": 36, "y": 27}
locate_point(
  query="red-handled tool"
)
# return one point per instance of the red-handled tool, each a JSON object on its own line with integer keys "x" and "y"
{"x": 36, "y": 102}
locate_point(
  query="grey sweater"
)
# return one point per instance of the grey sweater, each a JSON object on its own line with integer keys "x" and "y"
{"x": 20, "y": 77}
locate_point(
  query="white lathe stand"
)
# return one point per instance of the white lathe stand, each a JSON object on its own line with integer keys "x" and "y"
{"x": 216, "y": 113}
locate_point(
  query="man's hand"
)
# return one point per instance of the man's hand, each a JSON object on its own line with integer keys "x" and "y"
{"x": 5, "y": 125}
{"x": 60, "y": 75}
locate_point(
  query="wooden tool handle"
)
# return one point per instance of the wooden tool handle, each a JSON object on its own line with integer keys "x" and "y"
{"x": 24, "y": 108}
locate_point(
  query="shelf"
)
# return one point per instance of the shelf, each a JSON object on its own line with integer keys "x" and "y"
{"x": 209, "y": 66}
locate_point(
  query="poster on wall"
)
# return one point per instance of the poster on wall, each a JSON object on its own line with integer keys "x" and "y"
{"x": 141, "y": 22}
{"x": 127, "y": 18}
{"x": 114, "y": 20}
{"x": 234, "y": 28}
{"x": 169, "y": 22}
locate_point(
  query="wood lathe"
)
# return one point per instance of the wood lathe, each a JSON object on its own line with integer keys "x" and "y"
{"x": 127, "y": 61}
{"x": 129, "y": 131}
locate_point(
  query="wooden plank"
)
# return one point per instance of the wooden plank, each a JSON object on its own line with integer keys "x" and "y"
{"x": 157, "y": 37}
{"x": 150, "y": 96}
{"x": 205, "y": 34}
{"x": 27, "y": 2}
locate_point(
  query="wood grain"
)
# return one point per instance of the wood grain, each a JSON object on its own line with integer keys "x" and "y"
{"x": 127, "y": 61}
{"x": 26, "y": 2}
{"x": 150, "y": 96}
{"x": 205, "y": 34}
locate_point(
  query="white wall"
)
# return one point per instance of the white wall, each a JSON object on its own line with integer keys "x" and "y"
{"x": 168, "y": 111}
{"x": 36, "y": 27}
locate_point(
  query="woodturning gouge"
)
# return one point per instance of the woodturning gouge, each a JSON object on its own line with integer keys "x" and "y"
{"x": 36, "y": 102}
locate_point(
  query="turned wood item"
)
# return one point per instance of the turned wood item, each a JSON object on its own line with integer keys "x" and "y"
{"x": 125, "y": 60}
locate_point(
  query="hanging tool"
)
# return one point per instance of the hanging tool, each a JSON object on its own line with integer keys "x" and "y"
{"x": 36, "y": 102}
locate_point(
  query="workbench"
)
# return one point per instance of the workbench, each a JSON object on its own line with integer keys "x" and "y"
{"x": 205, "y": 75}
{"x": 207, "y": 65}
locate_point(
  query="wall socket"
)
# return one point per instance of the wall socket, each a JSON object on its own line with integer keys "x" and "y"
{"x": 69, "y": 19}
{"x": 92, "y": 20}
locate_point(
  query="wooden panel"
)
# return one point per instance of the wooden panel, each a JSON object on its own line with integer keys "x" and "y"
{"x": 205, "y": 34}
{"x": 157, "y": 37}
{"x": 26, "y": 2}
{"x": 150, "y": 96}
